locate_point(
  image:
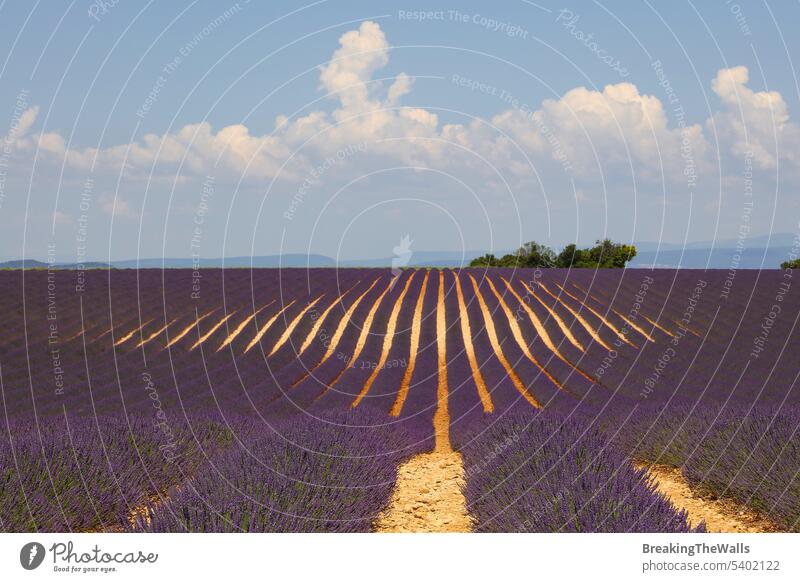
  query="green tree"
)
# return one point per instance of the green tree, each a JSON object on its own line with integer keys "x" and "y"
{"x": 533, "y": 255}
{"x": 569, "y": 256}
{"x": 795, "y": 264}
{"x": 489, "y": 260}
{"x": 606, "y": 254}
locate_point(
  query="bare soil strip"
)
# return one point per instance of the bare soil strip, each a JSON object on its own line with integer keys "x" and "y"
{"x": 518, "y": 337}
{"x": 427, "y": 496}
{"x": 321, "y": 319}
{"x": 498, "y": 350}
{"x": 264, "y": 329}
{"x": 659, "y": 326}
{"x": 599, "y": 316}
{"x": 362, "y": 339}
{"x": 589, "y": 329}
{"x": 211, "y": 331}
{"x": 388, "y": 339}
{"x": 544, "y": 336}
{"x": 622, "y": 316}
{"x": 466, "y": 334}
{"x": 655, "y": 324}
{"x": 131, "y": 333}
{"x": 561, "y": 324}
{"x": 187, "y": 329}
{"x": 232, "y": 336}
{"x": 295, "y": 322}
{"x": 337, "y": 336}
{"x": 441, "y": 418}
{"x": 721, "y": 516}
{"x": 416, "y": 326}
{"x": 681, "y": 325}
{"x": 155, "y": 334}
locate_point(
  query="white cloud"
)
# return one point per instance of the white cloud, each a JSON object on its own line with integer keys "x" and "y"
{"x": 117, "y": 207}
{"x": 360, "y": 54}
{"x": 600, "y": 134}
{"x": 401, "y": 86}
{"x": 754, "y": 122}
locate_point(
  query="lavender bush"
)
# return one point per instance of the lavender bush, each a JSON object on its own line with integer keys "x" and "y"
{"x": 539, "y": 473}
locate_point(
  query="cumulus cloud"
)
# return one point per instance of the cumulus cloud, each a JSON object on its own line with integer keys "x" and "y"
{"x": 401, "y": 86}
{"x": 754, "y": 123}
{"x": 353, "y": 64}
{"x": 591, "y": 133}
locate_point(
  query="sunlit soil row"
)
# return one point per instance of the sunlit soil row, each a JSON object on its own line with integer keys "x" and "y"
{"x": 466, "y": 335}
{"x": 388, "y": 338}
{"x": 362, "y": 339}
{"x": 491, "y": 332}
{"x": 628, "y": 321}
{"x": 264, "y": 377}
{"x": 416, "y": 325}
{"x": 537, "y": 320}
{"x": 337, "y": 336}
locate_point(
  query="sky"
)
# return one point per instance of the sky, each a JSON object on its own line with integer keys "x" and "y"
{"x": 216, "y": 129}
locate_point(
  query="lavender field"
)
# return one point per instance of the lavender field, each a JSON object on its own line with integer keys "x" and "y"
{"x": 287, "y": 400}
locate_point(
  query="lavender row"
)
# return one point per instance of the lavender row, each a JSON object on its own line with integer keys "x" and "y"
{"x": 748, "y": 454}
{"x": 537, "y": 472}
{"x": 332, "y": 473}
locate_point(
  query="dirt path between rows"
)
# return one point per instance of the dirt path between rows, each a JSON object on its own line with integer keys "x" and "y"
{"x": 427, "y": 496}
{"x": 720, "y": 516}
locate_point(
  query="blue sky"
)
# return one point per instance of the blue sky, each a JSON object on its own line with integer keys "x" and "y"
{"x": 223, "y": 129}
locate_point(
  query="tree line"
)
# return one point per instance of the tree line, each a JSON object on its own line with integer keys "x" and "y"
{"x": 795, "y": 264}
{"x": 606, "y": 254}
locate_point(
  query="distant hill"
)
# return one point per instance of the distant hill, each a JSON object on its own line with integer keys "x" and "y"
{"x": 777, "y": 240}
{"x": 718, "y": 258}
{"x": 34, "y": 264}
{"x": 422, "y": 259}
{"x": 260, "y": 262}
{"x": 759, "y": 252}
